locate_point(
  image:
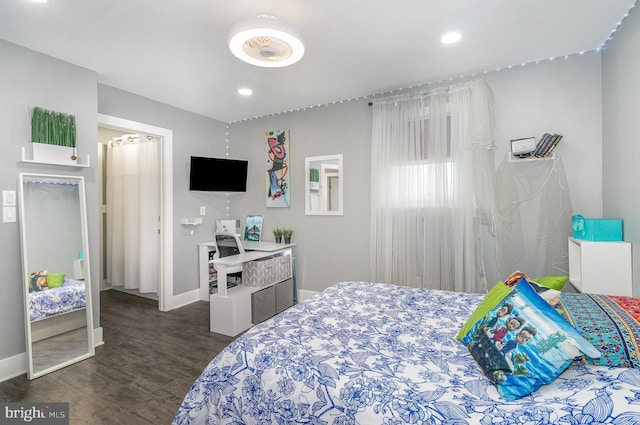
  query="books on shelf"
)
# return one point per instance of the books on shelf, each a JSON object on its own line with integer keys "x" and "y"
{"x": 528, "y": 148}
{"x": 547, "y": 144}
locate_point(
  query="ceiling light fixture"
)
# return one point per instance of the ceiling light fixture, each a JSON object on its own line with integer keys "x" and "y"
{"x": 451, "y": 37}
{"x": 265, "y": 41}
{"x": 245, "y": 91}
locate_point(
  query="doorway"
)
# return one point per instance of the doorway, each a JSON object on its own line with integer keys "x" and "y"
{"x": 107, "y": 126}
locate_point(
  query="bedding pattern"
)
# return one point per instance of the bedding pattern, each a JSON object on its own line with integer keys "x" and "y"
{"x": 611, "y": 323}
{"x": 68, "y": 297}
{"x": 369, "y": 353}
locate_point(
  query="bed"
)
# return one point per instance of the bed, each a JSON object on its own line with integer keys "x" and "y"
{"x": 371, "y": 353}
{"x": 69, "y": 297}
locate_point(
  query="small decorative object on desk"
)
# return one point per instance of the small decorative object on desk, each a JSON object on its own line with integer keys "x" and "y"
{"x": 253, "y": 228}
{"x": 286, "y": 234}
{"x": 277, "y": 233}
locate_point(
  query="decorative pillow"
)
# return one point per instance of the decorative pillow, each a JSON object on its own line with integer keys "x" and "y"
{"x": 526, "y": 348}
{"x": 38, "y": 281}
{"x": 547, "y": 287}
{"x": 610, "y": 323}
{"x": 55, "y": 280}
{"x": 493, "y": 297}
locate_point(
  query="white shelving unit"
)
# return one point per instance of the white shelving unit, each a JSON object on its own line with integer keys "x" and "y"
{"x": 601, "y": 267}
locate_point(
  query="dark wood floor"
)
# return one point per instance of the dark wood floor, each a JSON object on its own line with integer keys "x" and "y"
{"x": 142, "y": 372}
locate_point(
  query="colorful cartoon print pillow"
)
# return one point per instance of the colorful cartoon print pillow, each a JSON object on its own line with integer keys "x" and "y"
{"x": 523, "y": 343}
{"x": 38, "y": 281}
{"x": 547, "y": 287}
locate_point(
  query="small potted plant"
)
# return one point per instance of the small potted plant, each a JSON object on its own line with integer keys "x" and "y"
{"x": 286, "y": 233}
{"x": 277, "y": 233}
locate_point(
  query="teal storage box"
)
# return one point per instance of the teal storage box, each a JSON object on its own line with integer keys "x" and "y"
{"x": 597, "y": 229}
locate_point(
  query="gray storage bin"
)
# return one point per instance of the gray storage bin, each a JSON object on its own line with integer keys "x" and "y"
{"x": 284, "y": 295}
{"x": 263, "y": 304}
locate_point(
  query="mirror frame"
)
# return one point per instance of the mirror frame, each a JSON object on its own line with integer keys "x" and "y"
{"x": 307, "y": 187}
{"x": 32, "y": 372}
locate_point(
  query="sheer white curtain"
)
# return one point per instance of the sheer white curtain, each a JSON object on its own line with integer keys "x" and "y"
{"x": 133, "y": 199}
{"x": 432, "y": 166}
{"x": 533, "y": 217}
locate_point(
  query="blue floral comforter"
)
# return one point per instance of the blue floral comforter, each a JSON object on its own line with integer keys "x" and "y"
{"x": 68, "y": 297}
{"x": 367, "y": 353}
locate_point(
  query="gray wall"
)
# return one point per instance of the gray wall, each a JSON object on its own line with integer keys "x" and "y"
{"x": 562, "y": 96}
{"x": 329, "y": 248}
{"x": 192, "y": 135}
{"x": 29, "y": 79}
{"x": 621, "y": 133}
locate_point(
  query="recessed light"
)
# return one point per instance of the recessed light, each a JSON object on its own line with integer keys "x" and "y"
{"x": 451, "y": 37}
{"x": 40, "y": 1}
{"x": 245, "y": 92}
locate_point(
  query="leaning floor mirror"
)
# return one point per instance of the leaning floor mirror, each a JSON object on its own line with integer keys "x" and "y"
{"x": 57, "y": 289}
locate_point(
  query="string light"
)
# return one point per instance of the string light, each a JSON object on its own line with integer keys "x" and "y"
{"x": 462, "y": 76}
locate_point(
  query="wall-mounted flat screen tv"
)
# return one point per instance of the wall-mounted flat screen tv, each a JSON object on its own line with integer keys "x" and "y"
{"x": 218, "y": 175}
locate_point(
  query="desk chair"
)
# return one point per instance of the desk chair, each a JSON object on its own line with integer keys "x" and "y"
{"x": 229, "y": 244}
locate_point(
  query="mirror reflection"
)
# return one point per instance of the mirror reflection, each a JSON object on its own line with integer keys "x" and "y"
{"x": 323, "y": 185}
{"x": 53, "y": 228}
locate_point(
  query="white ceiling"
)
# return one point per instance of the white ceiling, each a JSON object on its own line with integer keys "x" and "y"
{"x": 174, "y": 51}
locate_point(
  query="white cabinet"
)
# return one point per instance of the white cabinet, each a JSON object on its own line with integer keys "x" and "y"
{"x": 600, "y": 267}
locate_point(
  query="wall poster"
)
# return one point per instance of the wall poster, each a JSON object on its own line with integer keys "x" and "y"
{"x": 278, "y": 192}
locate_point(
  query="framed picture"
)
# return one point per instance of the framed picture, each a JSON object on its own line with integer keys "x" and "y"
{"x": 253, "y": 228}
{"x": 278, "y": 191}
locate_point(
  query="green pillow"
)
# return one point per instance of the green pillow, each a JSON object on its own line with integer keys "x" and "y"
{"x": 55, "y": 280}
{"x": 553, "y": 282}
{"x": 495, "y": 295}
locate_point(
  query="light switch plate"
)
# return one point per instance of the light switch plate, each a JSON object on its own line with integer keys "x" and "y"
{"x": 8, "y": 214}
{"x": 203, "y": 210}
{"x": 8, "y": 198}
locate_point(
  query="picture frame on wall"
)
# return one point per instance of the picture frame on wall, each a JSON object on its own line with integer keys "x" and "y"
{"x": 253, "y": 228}
{"x": 278, "y": 189}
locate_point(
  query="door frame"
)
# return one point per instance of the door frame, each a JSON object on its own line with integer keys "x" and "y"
{"x": 165, "y": 136}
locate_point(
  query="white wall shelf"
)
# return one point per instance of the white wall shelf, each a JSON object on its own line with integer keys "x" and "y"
{"x": 533, "y": 158}
{"x": 59, "y": 164}
{"x": 191, "y": 221}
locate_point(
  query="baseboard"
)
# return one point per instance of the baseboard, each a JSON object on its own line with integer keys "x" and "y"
{"x": 185, "y": 298}
{"x": 17, "y": 365}
{"x": 13, "y": 366}
{"x": 303, "y": 294}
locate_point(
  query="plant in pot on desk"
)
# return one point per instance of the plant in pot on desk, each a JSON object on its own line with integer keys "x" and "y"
{"x": 286, "y": 234}
{"x": 277, "y": 233}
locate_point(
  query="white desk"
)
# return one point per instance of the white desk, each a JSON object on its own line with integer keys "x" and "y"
{"x": 230, "y": 308}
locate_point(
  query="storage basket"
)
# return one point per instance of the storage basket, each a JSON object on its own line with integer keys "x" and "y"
{"x": 266, "y": 271}
{"x": 597, "y": 229}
